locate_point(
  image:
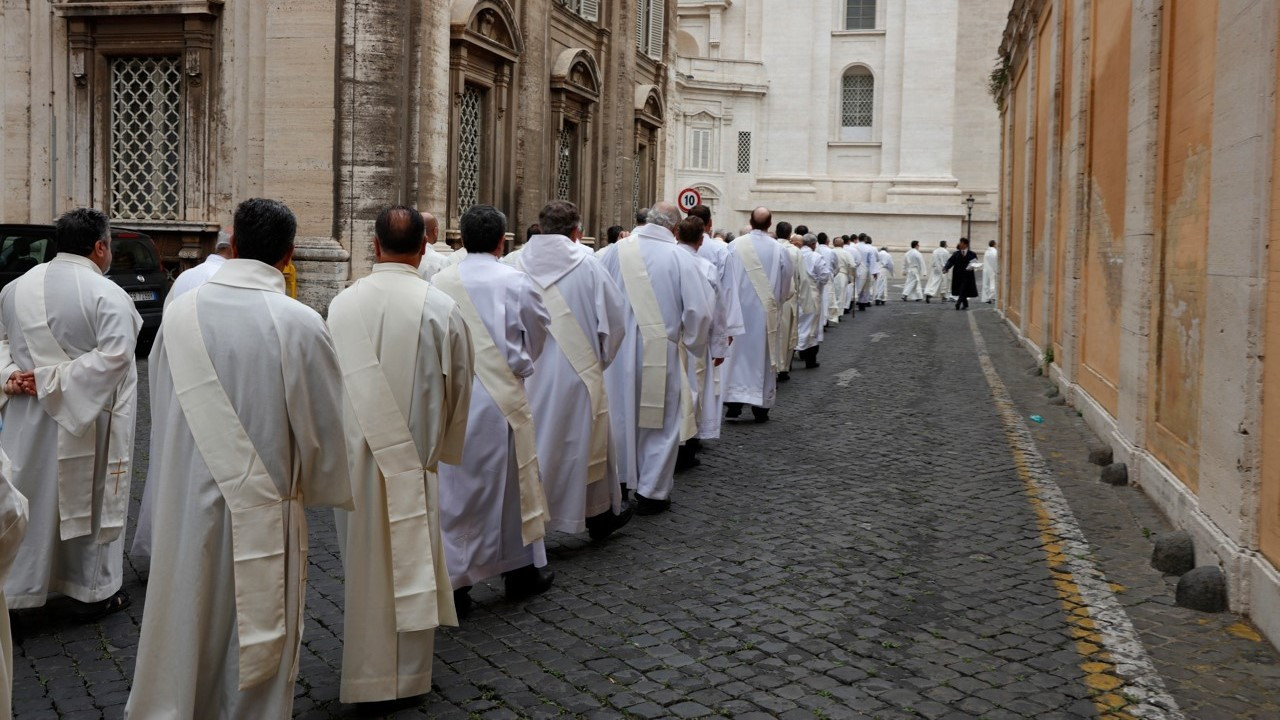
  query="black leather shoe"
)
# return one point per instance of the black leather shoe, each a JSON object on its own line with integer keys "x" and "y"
{"x": 732, "y": 411}
{"x": 527, "y": 582}
{"x": 607, "y": 523}
{"x": 783, "y": 377}
{"x": 647, "y": 506}
{"x": 686, "y": 458}
{"x": 761, "y": 414}
{"x": 462, "y": 601}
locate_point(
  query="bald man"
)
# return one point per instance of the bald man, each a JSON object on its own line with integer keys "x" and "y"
{"x": 432, "y": 261}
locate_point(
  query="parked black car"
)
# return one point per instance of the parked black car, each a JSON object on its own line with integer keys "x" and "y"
{"x": 135, "y": 266}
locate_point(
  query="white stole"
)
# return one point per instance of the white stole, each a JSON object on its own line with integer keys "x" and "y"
{"x": 508, "y": 394}
{"x": 77, "y": 455}
{"x": 258, "y": 542}
{"x": 653, "y": 340}
{"x": 386, "y": 431}
{"x": 746, "y": 250}
{"x": 580, "y": 352}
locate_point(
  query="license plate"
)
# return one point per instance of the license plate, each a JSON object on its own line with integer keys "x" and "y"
{"x": 143, "y": 295}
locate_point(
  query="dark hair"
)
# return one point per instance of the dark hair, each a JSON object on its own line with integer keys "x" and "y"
{"x": 761, "y": 219}
{"x": 613, "y": 233}
{"x": 642, "y": 216}
{"x": 942, "y": 243}
{"x": 689, "y": 231}
{"x": 822, "y": 238}
{"x": 263, "y": 230}
{"x": 865, "y": 238}
{"x": 483, "y": 227}
{"x": 844, "y": 238}
{"x": 703, "y": 213}
{"x": 400, "y": 230}
{"x": 802, "y": 229}
{"x": 784, "y": 230}
{"x": 963, "y": 241}
{"x": 79, "y": 230}
{"x": 529, "y": 232}
{"x": 915, "y": 243}
{"x": 991, "y": 244}
{"x": 559, "y": 217}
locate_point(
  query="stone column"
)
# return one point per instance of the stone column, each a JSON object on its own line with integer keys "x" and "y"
{"x": 928, "y": 104}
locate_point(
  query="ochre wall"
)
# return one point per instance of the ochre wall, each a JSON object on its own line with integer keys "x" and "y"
{"x": 1040, "y": 179}
{"x": 1100, "y": 289}
{"x": 1182, "y": 226}
{"x": 1066, "y": 69}
{"x": 1018, "y": 187}
{"x": 1269, "y": 505}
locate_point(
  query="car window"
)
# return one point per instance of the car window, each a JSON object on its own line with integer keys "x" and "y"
{"x": 20, "y": 253}
{"x": 131, "y": 255}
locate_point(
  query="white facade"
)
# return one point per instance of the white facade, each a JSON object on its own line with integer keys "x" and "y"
{"x": 844, "y": 115}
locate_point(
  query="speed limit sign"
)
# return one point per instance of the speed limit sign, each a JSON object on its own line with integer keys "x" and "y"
{"x": 689, "y": 199}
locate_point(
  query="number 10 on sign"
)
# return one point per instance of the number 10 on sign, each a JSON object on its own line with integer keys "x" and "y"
{"x": 689, "y": 199}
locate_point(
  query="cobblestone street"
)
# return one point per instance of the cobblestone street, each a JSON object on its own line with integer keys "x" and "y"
{"x": 878, "y": 550}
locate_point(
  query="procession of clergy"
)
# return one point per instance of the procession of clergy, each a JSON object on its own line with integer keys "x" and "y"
{"x": 453, "y": 408}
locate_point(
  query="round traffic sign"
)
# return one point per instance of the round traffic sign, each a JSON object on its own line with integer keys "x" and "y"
{"x": 689, "y": 199}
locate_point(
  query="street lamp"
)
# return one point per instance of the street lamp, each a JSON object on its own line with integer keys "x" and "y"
{"x": 969, "y": 201}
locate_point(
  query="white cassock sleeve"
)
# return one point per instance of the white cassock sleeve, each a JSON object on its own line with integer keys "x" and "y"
{"x": 457, "y": 361}
{"x": 730, "y": 298}
{"x": 529, "y": 326}
{"x": 74, "y": 393}
{"x": 313, "y": 394}
{"x": 698, "y": 309}
{"x": 611, "y": 315}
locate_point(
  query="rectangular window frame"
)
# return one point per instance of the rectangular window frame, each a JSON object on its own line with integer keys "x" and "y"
{"x": 132, "y": 192}
{"x": 860, "y": 15}
{"x": 744, "y": 152}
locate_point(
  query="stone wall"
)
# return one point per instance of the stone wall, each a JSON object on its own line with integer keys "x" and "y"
{"x": 1141, "y": 160}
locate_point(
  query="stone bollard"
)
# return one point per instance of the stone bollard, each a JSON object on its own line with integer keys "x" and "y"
{"x": 1174, "y": 553}
{"x": 1203, "y": 589}
{"x": 1101, "y": 455}
{"x": 1115, "y": 474}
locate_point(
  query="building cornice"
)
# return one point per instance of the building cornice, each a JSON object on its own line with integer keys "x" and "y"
{"x": 97, "y": 8}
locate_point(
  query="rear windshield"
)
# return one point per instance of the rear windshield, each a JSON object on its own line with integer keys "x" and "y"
{"x": 20, "y": 253}
{"x": 131, "y": 255}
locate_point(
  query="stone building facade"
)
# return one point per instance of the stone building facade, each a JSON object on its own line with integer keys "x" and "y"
{"x": 1141, "y": 222}
{"x": 867, "y": 115}
{"x": 167, "y": 114}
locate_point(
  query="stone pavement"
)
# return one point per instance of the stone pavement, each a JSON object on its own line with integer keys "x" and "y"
{"x": 871, "y": 553}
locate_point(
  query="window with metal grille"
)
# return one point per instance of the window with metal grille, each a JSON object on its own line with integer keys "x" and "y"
{"x": 744, "y": 152}
{"x": 635, "y": 188}
{"x": 860, "y": 15}
{"x": 585, "y": 9}
{"x": 566, "y": 161}
{"x": 700, "y": 149}
{"x": 145, "y": 165}
{"x": 470, "y": 146}
{"x": 857, "y": 100}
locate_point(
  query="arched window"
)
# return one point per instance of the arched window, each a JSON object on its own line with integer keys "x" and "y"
{"x": 857, "y": 104}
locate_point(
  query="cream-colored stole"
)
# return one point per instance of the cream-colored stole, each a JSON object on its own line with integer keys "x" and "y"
{"x": 77, "y": 456}
{"x": 508, "y": 393}
{"x": 746, "y": 250}
{"x": 386, "y": 432}
{"x": 258, "y": 543}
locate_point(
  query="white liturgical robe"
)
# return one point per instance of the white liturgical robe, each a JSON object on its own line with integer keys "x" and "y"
{"x": 829, "y": 305}
{"x": 840, "y": 284}
{"x": 405, "y": 354}
{"x": 812, "y": 313}
{"x": 13, "y": 523}
{"x": 194, "y": 277}
{"x": 763, "y": 276}
{"x": 567, "y": 390}
{"x": 71, "y": 445}
{"x": 870, "y": 258}
{"x": 246, "y": 397}
{"x": 791, "y": 313}
{"x": 433, "y": 261}
{"x": 491, "y": 503}
{"x": 648, "y": 381}
{"x": 703, "y": 373}
{"x": 913, "y": 268}
{"x": 886, "y": 272}
{"x": 938, "y": 274}
{"x": 990, "y": 268}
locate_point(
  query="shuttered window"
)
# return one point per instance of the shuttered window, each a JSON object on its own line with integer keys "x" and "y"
{"x": 651, "y": 27}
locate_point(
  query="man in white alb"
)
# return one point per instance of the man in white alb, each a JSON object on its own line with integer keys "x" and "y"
{"x": 493, "y": 507}
{"x": 567, "y": 391}
{"x": 886, "y": 273}
{"x": 913, "y": 269}
{"x": 840, "y": 282}
{"x": 938, "y": 273}
{"x": 990, "y": 269}
{"x": 405, "y": 355}
{"x": 789, "y": 317}
{"x": 197, "y": 276}
{"x": 246, "y": 401}
{"x": 830, "y": 306}
{"x": 13, "y": 525}
{"x": 433, "y": 261}
{"x": 871, "y": 259}
{"x": 668, "y": 323}
{"x": 67, "y": 340}
{"x": 812, "y": 313}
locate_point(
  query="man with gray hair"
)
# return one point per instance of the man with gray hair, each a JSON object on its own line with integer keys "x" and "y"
{"x": 668, "y": 319}
{"x": 194, "y": 278}
{"x": 433, "y": 261}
